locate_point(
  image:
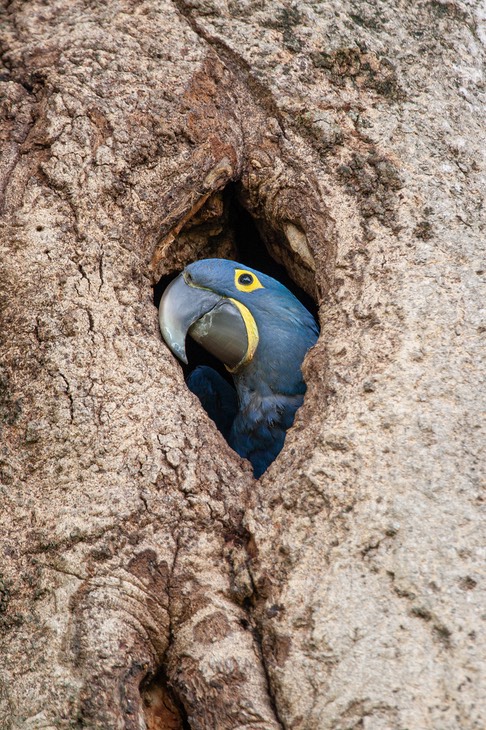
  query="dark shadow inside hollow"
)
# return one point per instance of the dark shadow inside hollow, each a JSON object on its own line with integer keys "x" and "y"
{"x": 252, "y": 252}
{"x": 161, "y": 707}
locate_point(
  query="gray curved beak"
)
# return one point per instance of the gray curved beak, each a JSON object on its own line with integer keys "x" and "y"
{"x": 213, "y": 321}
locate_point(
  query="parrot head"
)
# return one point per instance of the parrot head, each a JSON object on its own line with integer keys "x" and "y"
{"x": 239, "y": 315}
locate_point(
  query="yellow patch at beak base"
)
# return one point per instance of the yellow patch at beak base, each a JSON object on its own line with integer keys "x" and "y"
{"x": 252, "y": 333}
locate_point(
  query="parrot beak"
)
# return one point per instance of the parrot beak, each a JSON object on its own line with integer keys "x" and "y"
{"x": 213, "y": 321}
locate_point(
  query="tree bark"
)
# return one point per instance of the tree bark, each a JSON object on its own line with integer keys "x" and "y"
{"x": 146, "y": 579}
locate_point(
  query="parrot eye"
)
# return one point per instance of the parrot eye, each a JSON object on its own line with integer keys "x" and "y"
{"x": 245, "y": 279}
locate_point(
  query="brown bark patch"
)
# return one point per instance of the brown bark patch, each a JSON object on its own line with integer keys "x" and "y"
{"x": 278, "y": 647}
{"x": 153, "y": 574}
{"x": 212, "y": 628}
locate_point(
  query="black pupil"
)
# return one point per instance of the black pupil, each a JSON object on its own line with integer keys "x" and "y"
{"x": 245, "y": 279}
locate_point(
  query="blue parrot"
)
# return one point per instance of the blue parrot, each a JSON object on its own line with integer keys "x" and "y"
{"x": 261, "y": 332}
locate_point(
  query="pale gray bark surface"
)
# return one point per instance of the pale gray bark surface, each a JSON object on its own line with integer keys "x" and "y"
{"x": 146, "y": 580}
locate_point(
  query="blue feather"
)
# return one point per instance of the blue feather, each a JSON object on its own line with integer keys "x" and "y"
{"x": 217, "y": 397}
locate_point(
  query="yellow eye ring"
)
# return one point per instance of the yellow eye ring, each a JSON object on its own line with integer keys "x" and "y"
{"x": 246, "y": 280}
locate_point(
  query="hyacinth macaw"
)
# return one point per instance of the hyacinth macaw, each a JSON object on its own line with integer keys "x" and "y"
{"x": 261, "y": 332}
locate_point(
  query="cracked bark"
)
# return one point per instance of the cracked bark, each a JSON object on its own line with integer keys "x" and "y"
{"x": 146, "y": 580}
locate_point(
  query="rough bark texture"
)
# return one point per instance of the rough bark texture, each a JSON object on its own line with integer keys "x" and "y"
{"x": 147, "y": 581}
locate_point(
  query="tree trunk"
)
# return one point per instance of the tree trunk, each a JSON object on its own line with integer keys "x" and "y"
{"x": 147, "y": 580}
